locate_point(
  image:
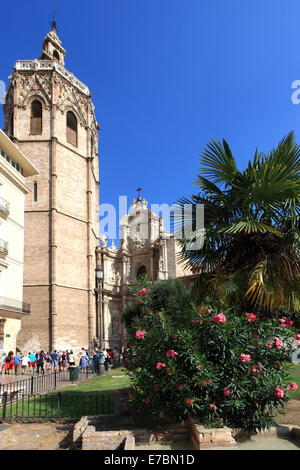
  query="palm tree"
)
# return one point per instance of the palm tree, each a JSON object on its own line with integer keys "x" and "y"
{"x": 249, "y": 249}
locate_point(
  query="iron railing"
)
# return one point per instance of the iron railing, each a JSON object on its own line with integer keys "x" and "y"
{"x": 3, "y": 247}
{"x": 41, "y": 383}
{"x": 4, "y": 206}
{"x": 56, "y": 406}
{"x": 14, "y": 305}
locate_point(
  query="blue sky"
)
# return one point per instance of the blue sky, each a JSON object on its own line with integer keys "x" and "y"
{"x": 166, "y": 77}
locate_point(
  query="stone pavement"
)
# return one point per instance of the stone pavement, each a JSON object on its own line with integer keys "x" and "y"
{"x": 35, "y": 436}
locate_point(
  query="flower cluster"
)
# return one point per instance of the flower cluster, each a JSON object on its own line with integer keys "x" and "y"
{"x": 144, "y": 291}
{"x": 171, "y": 353}
{"x": 251, "y": 317}
{"x": 285, "y": 322}
{"x": 160, "y": 365}
{"x": 279, "y": 392}
{"x": 227, "y": 392}
{"x": 220, "y": 318}
{"x": 140, "y": 334}
{"x": 277, "y": 343}
{"x": 245, "y": 357}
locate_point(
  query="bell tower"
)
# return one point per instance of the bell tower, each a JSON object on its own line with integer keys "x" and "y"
{"x": 50, "y": 116}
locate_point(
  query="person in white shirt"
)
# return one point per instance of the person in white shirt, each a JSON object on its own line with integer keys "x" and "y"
{"x": 25, "y": 361}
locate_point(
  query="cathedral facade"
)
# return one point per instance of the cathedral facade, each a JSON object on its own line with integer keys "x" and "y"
{"x": 146, "y": 248}
{"x": 50, "y": 116}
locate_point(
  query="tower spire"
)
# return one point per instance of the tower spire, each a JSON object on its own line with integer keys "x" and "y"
{"x": 53, "y": 23}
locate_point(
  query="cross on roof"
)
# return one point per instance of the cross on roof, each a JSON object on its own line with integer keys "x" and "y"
{"x": 139, "y": 194}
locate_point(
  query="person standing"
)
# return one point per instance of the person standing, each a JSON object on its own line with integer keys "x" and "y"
{"x": 25, "y": 362}
{"x": 17, "y": 363}
{"x": 54, "y": 363}
{"x": 71, "y": 359}
{"x": 9, "y": 363}
{"x": 40, "y": 362}
{"x": 32, "y": 359}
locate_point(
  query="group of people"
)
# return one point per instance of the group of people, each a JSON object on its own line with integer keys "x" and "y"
{"x": 35, "y": 362}
{"x": 39, "y": 362}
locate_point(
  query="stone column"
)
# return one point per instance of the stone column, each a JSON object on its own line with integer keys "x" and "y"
{"x": 2, "y": 323}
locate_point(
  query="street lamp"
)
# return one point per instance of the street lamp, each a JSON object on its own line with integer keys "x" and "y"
{"x": 99, "y": 277}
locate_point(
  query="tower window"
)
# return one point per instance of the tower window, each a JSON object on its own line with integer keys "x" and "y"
{"x": 35, "y": 191}
{"x": 36, "y": 117}
{"x": 71, "y": 129}
{"x": 56, "y": 55}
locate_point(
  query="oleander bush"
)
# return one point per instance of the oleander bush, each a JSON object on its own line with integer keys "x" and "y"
{"x": 222, "y": 367}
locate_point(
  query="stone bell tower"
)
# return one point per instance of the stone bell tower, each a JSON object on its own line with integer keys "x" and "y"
{"x": 50, "y": 116}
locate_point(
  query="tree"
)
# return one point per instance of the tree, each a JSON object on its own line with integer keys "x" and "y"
{"x": 250, "y": 243}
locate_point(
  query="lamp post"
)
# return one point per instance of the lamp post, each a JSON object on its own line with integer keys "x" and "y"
{"x": 99, "y": 277}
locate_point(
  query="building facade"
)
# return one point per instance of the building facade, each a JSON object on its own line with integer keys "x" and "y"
{"x": 15, "y": 168}
{"x": 50, "y": 116}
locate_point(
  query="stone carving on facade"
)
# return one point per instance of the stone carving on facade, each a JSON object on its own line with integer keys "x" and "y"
{"x": 29, "y": 86}
{"x": 115, "y": 326}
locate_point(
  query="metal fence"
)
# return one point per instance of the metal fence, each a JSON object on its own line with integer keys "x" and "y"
{"x": 56, "y": 406}
{"x": 38, "y": 384}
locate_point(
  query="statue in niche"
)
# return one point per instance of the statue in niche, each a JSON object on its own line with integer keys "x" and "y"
{"x": 115, "y": 326}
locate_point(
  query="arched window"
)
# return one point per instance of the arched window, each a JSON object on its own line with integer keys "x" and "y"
{"x": 36, "y": 117}
{"x": 71, "y": 128}
{"x": 56, "y": 55}
{"x": 142, "y": 271}
{"x": 35, "y": 191}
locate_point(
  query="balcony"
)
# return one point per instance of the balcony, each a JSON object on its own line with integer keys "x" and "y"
{"x": 11, "y": 308}
{"x": 4, "y": 208}
{"x": 3, "y": 249}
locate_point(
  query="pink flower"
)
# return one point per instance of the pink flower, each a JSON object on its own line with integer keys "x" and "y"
{"x": 160, "y": 365}
{"x": 285, "y": 322}
{"x": 227, "y": 392}
{"x": 251, "y": 317}
{"x": 219, "y": 318}
{"x": 209, "y": 310}
{"x": 140, "y": 334}
{"x": 278, "y": 343}
{"x": 270, "y": 345}
{"x": 245, "y": 357}
{"x": 212, "y": 407}
{"x": 144, "y": 291}
{"x": 279, "y": 392}
{"x": 171, "y": 353}
{"x": 280, "y": 365}
{"x": 293, "y": 386}
{"x": 298, "y": 337}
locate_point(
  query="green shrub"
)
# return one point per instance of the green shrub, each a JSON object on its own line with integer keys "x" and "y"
{"x": 224, "y": 368}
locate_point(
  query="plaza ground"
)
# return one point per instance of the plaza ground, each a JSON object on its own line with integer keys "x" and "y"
{"x": 53, "y": 436}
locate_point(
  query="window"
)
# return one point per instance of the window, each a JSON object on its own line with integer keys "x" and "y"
{"x": 56, "y": 55}
{"x": 35, "y": 191}
{"x": 36, "y": 117}
{"x": 71, "y": 129}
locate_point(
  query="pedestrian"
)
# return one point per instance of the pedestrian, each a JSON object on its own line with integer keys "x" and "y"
{"x": 84, "y": 362}
{"x": 9, "y": 363}
{"x": 17, "y": 363}
{"x": 32, "y": 359}
{"x": 71, "y": 359}
{"x": 25, "y": 362}
{"x": 54, "y": 363}
{"x": 40, "y": 362}
{"x": 64, "y": 360}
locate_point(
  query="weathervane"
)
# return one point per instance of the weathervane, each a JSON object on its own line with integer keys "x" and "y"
{"x": 53, "y": 23}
